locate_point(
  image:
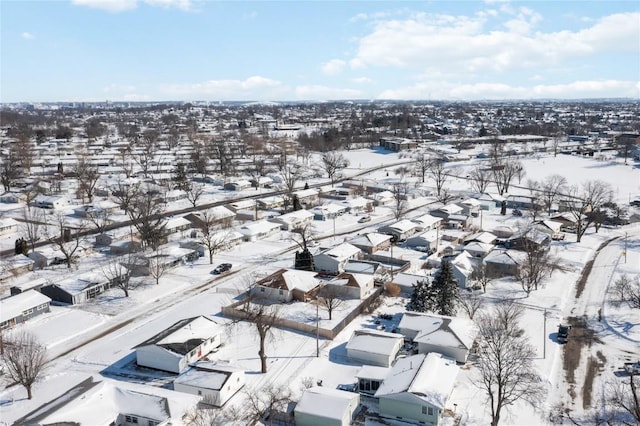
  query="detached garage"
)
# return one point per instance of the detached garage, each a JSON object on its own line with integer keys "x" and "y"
{"x": 320, "y": 406}
{"x": 372, "y": 347}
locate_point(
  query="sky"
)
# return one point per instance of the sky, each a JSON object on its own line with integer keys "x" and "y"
{"x": 191, "y": 50}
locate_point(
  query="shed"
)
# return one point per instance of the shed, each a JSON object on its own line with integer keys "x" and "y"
{"x": 216, "y": 383}
{"x": 321, "y": 406}
{"x": 373, "y": 347}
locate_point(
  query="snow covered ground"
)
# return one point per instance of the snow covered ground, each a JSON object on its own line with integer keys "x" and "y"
{"x": 113, "y": 325}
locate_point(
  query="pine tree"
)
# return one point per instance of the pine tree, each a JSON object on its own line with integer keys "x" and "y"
{"x": 445, "y": 287}
{"x": 422, "y": 296}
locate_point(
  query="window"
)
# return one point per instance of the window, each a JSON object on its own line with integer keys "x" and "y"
{"x": 430, "y": 411}
{"x": 199, "y": 392}
{"x": 131, "y": 419}
{"x": 375, "y": 385}
{"x": 280, "y": 292}
{"x": 42, "y": 307}
{"x": 262, "y": 289}
{"x": 27, "y": 312}
{"x": 424, "y": 410}
{"x": 153, "y": 423}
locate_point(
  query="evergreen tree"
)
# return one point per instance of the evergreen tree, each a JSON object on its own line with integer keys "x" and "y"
{"x": 445, "y": 288}
{"x": 422, "y": 296}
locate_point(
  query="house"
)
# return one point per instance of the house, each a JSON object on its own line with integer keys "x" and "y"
{"x": 216, "y": 383}
{"x": 88, "y": 210}
{"x": 477, "y": 249}
{"x": 426, "y": 241}
{"x": 398, "y": 144}
{"x": 322, "y": 406}
{"x": 417, "y": 388}
{"x": 400, "y": 230}
{"x": 169, "y": 257}
{"x": 328, "y": 211}
{"x": 183, "y": 343}
{"x": 254, "y": 231}
{"x": 568, "y": 221}
{"x": 383, "y": 198}
{"x": 373, "y": 347}
{"x": 31, "y": 284}
{"x": 124, "y": 247}
{"x": 462, "y": 267}
{"x": 286, "y": 285}
{"x": 15, "y": 265}
{"x": 216, "y": 217}
{"x": 449, "y": 336}
{"x": 174, "y": 228}
{"x": 349, "y": 286}
{"x": 371, "y": 242}
{"x": 262, "y": 182}
{"x": 104, "y": 402}
{"x": 502, "y": 263}
{"x": 447, "y": 210}
{"x": 333, "y": 260}
{"x": 470, "y": 207}
{"x": 529, "y": 238}
{"x": 357, "y": 205}
{"x": 270, "y": 203}
{"x": 46, "y": 256}
{"x": 294, "y": 219}
{"x": 549, "y": 227}
{"x": 13, "y": 197}
{"x": 481, "y": 237}
{"x": 406, "y": 281}
{"x": 77, "y": 288}
{"x": 21, "y": 307}
{"x": 368, "y": 267}
{"x": 53, "y": 202}
{"x": 8, "y": 225}
{"x": 427, "y": 222}
{"x": 238, "y": 185}
{"x": 456, "y": 221}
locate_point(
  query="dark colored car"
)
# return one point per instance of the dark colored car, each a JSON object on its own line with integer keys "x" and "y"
{"x": 516, "y": 212}
{"x": 223, "y": 267}
{"x": 563, "y": 333}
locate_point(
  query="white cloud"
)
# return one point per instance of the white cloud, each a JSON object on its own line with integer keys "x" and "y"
{"x": 253, "y": 88}
{"x": 362, "y": 80}
{"x": 464, "y": 43}
{"x": 116, "y": 6}
{"x": 28, "y": 36}
{"x": 333, "y": 67}
{"x": 318, "y": 92}
{"x": 478, "y": 91}
{"x": 108, "y": 5}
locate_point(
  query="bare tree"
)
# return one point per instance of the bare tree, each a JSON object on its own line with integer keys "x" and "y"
{"x": 145, "y": 155}
{"x": 145, "y": 211}
{"x": 588, "y": 198}
{"x": 551, "y": 187}
{"x": 329, "y": 298}
{"x": 480, "y": 179}
{"x": 302, "y": 235}
{"x": 222, "y": 153}
{"x": 470, "y": 302}
{"x": 118, "y": 272}
{"x": 290, "y": 175}
{"x": 423, "y": 162}
{"x": 264, "y": 317}
{"x": 534, "y": 188}
{"x": 32, "y": 225}
{"x": 332, "y": 162}
{"x": 623, "y": 401}
{"x": 69, "y": 237}
{"x": 125, "y": 193}
{"x": 207, "y": 415}
{"x": 157, "y": 264}
{"x": 504, "y": 172}
{"x": 537, "y": 263}
{"x": 24, "y": 359}
{"x": 194, "y": 191}
{"x": 438, "y": 174}
{"x": 400, "y": 191}
{"x": 263, "y": 406}
{"x": 627, "y": 290}
{"x": 480, "y": 276}
{"x": 9, "y": 173}
{"x": 214, "y": 233}
{"x": 88, "y": 177}
{"x": 506, "y": 371}
{"x": 100, "y": 219}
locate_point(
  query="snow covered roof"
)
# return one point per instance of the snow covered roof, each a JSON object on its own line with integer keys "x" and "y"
{"x": 100, "y": 402}
{"x": 176, "y": 222}
{"x": 372, "y": 239}
{"x": 375, "y": 342}
{"x": 362, "y": 266}
{"x": 294, "y": 216}
{"x": 426, "y": 220}
{"x": 254, "y": 228}
{"x": 510, "y": 257}
{"x": 76, "y": 284}
{"x": 12, "y": 307}
{"x": 353, "y": 279}
{"x": 290, "y": 279}
{"x": 482, "y": 236}
{"x": 440, "y": 330}
{"x": 430, "y": 377}
{"x": 403, "y": 225}
{"x": 184, "y": 335}
{"x": 207, "y": 375}
{"x": 325, "y": 402}
{"x": 372, "y": 372}
{"x": 342, "y": 251}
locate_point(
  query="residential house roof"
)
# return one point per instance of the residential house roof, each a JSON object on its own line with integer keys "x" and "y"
{"x": 371, "y": 239}
{"x": 325, "y": 402}
{"x": 207, "y": 375}
{"x": 439, "y": 329}
{"x": 374, "y": 341}
{"x": 13, "y": 306}
{"x": 184, "y": 336}
{"x": 342, "y": 251}
{"x": 291, "y": 279}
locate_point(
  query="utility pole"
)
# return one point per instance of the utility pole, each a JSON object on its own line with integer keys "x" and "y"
{"x": 544, "y": 335}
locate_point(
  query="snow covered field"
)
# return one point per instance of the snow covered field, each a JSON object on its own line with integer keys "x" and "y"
{"x": 191, "y": 290}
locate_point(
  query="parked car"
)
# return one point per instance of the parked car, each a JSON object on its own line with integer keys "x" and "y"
{"x": 223, "y": 267}
{"x": 364, "y": 219}
{"x": 559, "y": 236}
{"x": 563, "y": 333}
{"x": 516, "y": 212}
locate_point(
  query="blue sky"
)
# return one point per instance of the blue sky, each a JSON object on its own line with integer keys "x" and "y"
{"x": 137, "y": 50}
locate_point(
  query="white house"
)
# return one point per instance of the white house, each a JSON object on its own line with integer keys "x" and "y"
{"x": 373, "y": 347}
{"x": 107, "y": 402}
{"x": 286, "y": 285}
{"x": 401, "y": 230}
{"x": 462, "y": 267}
{"x": 184, "y": 342}
{"x": 417, "y": 388}
{"x": 371, "y": 242}
{"x": 8, "y": 225}
{"x": 216, "y": 383}
{"x": 427, "y": 222}
{"x": 333, "y": 261}
{"x": 427, "y": 240}
{"x": 350, "y": 286}
{"x": 294, "y": 219}
{"x": 322, "y": 406}
{"x": 450, "y": 336}
{"x": 328, "y": 211}
{"x": 50, "y": 201}
{"x": 254, "y": 231}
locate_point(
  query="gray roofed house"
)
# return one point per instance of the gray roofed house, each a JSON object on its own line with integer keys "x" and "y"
{"x": 185, "y": 342}
{"x": 216, "y": 383}
{"x": 21, "y": 307}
